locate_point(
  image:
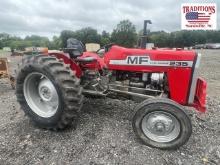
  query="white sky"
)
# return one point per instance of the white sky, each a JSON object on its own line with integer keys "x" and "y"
{"x": 50, "y": 17}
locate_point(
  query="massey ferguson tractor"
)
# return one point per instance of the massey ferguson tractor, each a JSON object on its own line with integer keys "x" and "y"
{"x": 50, "y": 88}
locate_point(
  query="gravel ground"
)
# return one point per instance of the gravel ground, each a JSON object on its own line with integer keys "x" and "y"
{"x": 104, "y": 134}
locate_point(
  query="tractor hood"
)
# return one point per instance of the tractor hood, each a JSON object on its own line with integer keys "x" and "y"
{"x": 144, "y": 57}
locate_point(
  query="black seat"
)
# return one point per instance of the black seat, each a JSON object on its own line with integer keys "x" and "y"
{"x": 74, "y": 47}
{"x": 86, "y": 59}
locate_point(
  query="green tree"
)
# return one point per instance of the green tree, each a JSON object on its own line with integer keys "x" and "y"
{"x": 105, "y": 38}
{"x": 124, "y": 34}
{"x": 56, "y": 43}
{"x": 37, "y": 41}
{"x": 20, "y": 45}
{"x": 85, "y": 35}
{"x": 160, "y": 39}
{"x": 65, "y": 34}
{"x": 3, "y": 37}
{"x": 88, "y": 35}
{"x": 105, "y": 34}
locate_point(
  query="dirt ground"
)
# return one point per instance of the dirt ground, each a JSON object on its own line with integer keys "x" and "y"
{"x": 104, "y": 134}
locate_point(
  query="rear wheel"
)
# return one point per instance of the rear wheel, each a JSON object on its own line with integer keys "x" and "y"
{"x": 48, "y": 92}
{"x": 162, "y": 123}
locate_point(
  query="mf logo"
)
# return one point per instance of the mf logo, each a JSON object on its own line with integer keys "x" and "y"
{"x": 135, "y": 60}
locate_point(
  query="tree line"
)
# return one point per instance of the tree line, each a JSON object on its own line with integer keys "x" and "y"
{"x": 124, "y": 34}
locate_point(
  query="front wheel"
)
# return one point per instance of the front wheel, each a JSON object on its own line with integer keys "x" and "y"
{"x": 162, "y": 123}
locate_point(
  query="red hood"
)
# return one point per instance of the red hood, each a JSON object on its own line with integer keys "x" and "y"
{"x": 121, "y": 52}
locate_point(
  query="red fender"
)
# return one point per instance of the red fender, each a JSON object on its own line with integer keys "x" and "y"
{"x": 68, "y": 60}
{"x": 98, "y": 65}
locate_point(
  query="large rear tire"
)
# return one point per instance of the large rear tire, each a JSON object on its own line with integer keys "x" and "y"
{"x": 162, "y": 123}
{"x": 48, "y": 92}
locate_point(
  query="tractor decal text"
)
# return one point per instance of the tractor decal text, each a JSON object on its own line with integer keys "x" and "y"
{"x": 137, "y": 59}
{"x": 146, "y": 61}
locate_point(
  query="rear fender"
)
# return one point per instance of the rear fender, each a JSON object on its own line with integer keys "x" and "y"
{"x": 98, "y": 65}
{"x": 68, "y": 60}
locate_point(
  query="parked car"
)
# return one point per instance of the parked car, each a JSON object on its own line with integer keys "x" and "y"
{"x": 207, "y": 46}
{"x": 199, "y": 46}
{"x": 215, "y": 46}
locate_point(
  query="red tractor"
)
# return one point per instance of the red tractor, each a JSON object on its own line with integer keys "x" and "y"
{"x": 50, "y": 88}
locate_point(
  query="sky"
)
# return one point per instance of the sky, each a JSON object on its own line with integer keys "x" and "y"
{"x": 50, "y": 17}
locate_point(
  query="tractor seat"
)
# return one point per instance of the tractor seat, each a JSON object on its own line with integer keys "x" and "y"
{"x": 86, "y": 60}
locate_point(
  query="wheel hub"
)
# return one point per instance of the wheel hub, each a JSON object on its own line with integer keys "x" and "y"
{"x": 45, "y": 90}
{"x": 160, "y": 126}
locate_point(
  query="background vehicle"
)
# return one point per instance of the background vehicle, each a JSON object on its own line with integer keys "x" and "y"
{"x": 207, "y": 46}
{"x": 199, "y": 46}
{"x": 213, "y": 46}
{"x": 50, "y": 88}
{"x": 4, "y": 72}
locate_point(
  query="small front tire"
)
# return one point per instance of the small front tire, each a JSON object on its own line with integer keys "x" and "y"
{"x": 162, "y": 123}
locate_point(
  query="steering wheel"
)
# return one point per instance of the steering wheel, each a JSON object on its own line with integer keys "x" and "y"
{"x": 105, "y": 47}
